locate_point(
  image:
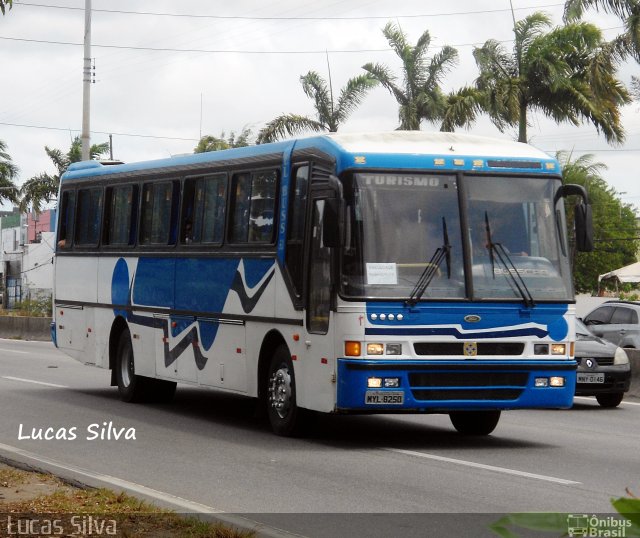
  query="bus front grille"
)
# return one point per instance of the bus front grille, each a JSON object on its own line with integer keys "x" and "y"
{"x": 467, "y": 386}
{"x": 457, "y": 348}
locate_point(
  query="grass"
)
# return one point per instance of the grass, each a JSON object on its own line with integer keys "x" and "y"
{"x": 25, "y": 493}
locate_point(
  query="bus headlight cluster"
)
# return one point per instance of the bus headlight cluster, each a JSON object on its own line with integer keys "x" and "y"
{"x": 553, "y": 381}
{"x": 383, "y": 382}
{"x": 550, "y": 349}
{"x": 354, "y": 349}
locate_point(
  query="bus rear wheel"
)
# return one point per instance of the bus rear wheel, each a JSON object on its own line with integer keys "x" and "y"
{"x": 286, "y": 418}
{"x": 135, "y": 388}
{"x": 475, "y": 422}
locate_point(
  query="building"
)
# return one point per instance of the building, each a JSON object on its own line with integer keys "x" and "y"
{"x": 26, "y": 254}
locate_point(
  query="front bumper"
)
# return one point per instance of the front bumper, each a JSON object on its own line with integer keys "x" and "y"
{"x": 441, "y": 386}
{"x": 616, "y": 379}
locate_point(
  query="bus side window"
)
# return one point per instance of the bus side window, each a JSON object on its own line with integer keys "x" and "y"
{"x": 295, "y": 231}
{"x": 263, "y": 206}
{"x": 88, "y": 217}
{"x": 239, "y": 232}
{"x": 121, "y": 207}
{"x": 158, "y": 207}
{"x": 67, "y": 212}
{"x": 204, "y": 209}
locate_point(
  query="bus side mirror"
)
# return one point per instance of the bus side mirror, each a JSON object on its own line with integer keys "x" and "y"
{"x": 584, "y": 228}
{"x": 331, "y": 223}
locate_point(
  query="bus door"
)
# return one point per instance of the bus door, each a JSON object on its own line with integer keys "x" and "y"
{"x": 319, "y": 368}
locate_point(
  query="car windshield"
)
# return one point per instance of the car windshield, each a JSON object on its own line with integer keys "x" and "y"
{"x": 486, "y": 238}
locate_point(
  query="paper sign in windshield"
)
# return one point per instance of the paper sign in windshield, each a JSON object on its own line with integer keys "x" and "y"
{"x": 382, "y": 274}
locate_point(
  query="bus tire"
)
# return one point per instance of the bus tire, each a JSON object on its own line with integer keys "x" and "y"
{"x": 286, "y": 418}
{"x": 131, "y": 387}
{"x": 475, "y": 422}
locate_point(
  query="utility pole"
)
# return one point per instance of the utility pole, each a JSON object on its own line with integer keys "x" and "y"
{"x": 86, "y": 84}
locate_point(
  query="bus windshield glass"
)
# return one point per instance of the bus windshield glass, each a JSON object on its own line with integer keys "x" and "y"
{"x": 401, "y": 227}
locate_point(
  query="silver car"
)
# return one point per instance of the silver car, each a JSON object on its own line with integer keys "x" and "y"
{"x": 603, "y": 368}
{"x": 616, "y": 321}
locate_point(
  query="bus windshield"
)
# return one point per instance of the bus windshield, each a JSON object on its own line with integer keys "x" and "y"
{"x": 399, "y": 224}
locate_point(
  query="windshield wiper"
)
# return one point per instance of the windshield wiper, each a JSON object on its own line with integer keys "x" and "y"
{"x": 442, "y": 253}
{"x": 512, "y": 275}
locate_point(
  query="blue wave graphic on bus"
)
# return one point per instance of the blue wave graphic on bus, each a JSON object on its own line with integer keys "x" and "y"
{"x": 489, "y": 321}
{"x": 197, "y": 287}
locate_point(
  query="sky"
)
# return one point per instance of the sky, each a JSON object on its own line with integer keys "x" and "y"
{"x": 174, "y": 71}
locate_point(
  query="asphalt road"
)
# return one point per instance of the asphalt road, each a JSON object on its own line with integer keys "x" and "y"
{"x": 208, "y": 448}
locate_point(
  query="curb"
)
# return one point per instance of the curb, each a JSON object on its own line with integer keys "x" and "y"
{"x": 84, "y": 478}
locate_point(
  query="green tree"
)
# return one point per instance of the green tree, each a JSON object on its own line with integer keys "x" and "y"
{"x": 43, "y": 188}
{"x": 628, "y": 42}
{"x": 419, "y": 95}
{"x": 8, "y": 174}
{"x": 213, "y": 143}
{"x": 567, "y": 73}
{"x": 4, "y": 4}
{"x": 330, "y": 113}
{"x": 614, "y": 223}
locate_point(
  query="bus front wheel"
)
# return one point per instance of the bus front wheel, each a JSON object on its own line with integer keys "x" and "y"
{"x": 475, "y": 422}
{"x": 286, "y": 418}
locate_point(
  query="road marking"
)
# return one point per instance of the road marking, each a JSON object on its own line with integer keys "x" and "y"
{"x": 493, "y": 468}
{"x": 71, "y": 472}
{"x": 14, "y": 351}
{"x": 22, "y": 380}
{"x": 592, "y": 399}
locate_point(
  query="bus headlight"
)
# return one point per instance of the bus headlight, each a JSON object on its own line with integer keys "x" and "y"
{"x": 375, "y": 349}
{"x": 558, "y": 349}
{"x": 374, "y": 382}
{"x": 394, "y": 349}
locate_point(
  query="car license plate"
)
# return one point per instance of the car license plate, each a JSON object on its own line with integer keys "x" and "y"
{"x": 382, "y": 397}
{"x": 590, "y": 378}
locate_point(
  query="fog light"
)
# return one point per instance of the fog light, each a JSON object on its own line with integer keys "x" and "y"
{"x": 541, "y": 349}
{"x": 391, "y": 382}
{"x": 541, "y": 382}
{"x": 352, "y": 349}
{"x": 556, "y": 381}
{"x": 558, "y": 349}
{"x": 375, "y": 349}
{"x": 374, "y": 382}
{"x": 394, "y": 349}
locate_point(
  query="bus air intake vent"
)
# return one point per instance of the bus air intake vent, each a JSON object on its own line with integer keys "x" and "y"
{"x": 515, "y": 164}
{"x": 442, "y": 386}
{"x": 457, "y": 348}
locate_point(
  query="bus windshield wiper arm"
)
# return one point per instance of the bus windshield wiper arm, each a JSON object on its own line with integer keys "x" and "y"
{"x": 512, "y": 274}
{"x": 442, "y": 253}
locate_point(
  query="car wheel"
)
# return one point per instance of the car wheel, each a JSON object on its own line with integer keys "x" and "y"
{"x": 611, "y": 399}
{"x": 475, "y": 422}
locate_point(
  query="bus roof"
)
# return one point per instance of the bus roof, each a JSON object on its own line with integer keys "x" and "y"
{"x": 394, "y": 149}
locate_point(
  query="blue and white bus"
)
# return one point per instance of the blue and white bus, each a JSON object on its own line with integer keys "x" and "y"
{"x": 343, "y": 273}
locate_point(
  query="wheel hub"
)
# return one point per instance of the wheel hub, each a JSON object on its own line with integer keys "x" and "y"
{"x": 280, "y": 391}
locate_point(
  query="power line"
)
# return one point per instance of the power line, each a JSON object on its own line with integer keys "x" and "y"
{"x": 292, "y": 18}
{"x": 208, "y": 51}
{"x": 67, "y": 129}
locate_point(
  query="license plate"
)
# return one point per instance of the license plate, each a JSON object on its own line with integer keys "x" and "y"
{"x": 590, "y": 378}
{"x": 381, "y": 397}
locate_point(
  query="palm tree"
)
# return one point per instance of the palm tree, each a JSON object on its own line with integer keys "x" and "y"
{"x": 4, "y": 4}
{"x": 419, "y": 95}
{"x": 329, "y": 114}
{"x": 213, "y": 143}
{"x": 627, "y": 43}
{"x": 566, "y": 73}
{"x": 614, "y": 223}
{"x": 43, "y": 188}
{"x": 8, "y": 173}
